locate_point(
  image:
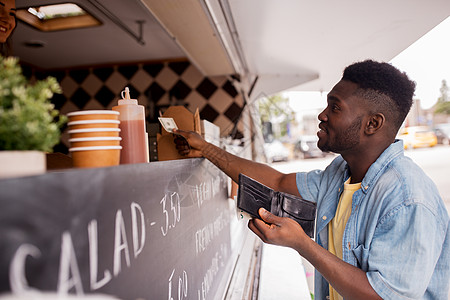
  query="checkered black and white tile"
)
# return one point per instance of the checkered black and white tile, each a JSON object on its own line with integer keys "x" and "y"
{"x": 155, "y": 85}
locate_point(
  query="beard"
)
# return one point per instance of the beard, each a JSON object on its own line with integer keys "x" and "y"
{"x": 343, "y": 140}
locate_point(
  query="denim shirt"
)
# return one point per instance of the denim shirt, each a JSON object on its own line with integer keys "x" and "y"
{"x": 398, "y": 230}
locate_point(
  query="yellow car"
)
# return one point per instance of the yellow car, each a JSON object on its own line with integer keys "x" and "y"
{"x": 417, "y": 137}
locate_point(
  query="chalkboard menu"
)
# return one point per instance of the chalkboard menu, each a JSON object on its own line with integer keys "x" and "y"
{"x": 143, "y": 231}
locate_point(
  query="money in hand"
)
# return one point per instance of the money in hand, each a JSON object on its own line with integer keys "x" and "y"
{"x": 168, "y": 124}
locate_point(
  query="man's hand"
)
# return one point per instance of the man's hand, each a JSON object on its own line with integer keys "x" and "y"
{"x": 350, "y": 281}
{"x": 189, "y": 143}
{"x": 277, "y": 230}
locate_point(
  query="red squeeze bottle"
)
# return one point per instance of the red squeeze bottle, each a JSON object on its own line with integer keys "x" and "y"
{"x": 132, "y": 130}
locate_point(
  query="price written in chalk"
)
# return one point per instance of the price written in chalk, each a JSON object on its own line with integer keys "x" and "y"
{"x": 171, "y": 214}
{"x": 182, "y": 286}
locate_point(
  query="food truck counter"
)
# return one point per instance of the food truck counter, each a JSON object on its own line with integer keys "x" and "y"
{"x": 164, "y": 230}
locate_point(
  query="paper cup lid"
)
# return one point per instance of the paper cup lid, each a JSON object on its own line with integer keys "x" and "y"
{"x": 93, "y": 122}
{"x": 95, "y": 148}
{"x": 93, "y": 112}
{"x": 101, "y": 138}
{"x": 93, "y": 130}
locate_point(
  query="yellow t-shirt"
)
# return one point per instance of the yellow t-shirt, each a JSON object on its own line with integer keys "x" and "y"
{"x": 337, "y": 225}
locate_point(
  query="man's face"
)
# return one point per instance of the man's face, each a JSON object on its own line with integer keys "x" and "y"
{"x": 341, "y": 121}
{"x": 7, "y": 18}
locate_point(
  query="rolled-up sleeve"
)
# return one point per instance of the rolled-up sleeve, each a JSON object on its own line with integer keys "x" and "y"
{"x": 308, "y": 184}
{"x": 315, "y": 184}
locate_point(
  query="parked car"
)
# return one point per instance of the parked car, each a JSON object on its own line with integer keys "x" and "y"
{"x": 417, "y": 137}
{"x": 276, "y": 151}
{"x": 442, "y": 132}
{"x": 306, "y": 147}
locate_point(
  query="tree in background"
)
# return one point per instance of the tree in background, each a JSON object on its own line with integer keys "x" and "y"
{"x": 276, "y": 116}
{"x": 443, "y": 104}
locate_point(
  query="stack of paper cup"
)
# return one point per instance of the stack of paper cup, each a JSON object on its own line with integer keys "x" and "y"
{"x": 94, "y": 138}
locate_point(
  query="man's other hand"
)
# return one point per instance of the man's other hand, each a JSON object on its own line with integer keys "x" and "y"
{"x": 277, "y": 230}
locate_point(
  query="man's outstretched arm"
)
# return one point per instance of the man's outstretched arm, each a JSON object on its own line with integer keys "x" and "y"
{"x": 193, "y": 145}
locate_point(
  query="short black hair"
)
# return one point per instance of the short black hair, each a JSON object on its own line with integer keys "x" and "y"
{"x": 389, "y": 90}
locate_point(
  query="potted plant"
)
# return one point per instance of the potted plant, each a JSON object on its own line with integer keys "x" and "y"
{"x": 29, "y": 124}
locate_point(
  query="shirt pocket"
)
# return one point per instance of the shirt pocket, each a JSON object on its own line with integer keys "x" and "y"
{"x": 362, "y": 257}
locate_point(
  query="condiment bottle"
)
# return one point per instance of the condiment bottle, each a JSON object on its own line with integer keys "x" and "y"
{"x": 132, "y": 130}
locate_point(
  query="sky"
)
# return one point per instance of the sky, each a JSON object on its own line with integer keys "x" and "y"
{"x": 427, "y": 62}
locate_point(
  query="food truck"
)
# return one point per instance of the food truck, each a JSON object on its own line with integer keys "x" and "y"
{"x": 169, "y": 228}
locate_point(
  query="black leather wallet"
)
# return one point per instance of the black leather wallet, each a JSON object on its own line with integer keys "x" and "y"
{"x": 252, "y": 195}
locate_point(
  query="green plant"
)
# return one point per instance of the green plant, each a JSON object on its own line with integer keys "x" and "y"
{"x": 28, "y": 120}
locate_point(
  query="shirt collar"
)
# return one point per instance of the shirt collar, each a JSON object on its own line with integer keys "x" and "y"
{"x": 389, "y": 154}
